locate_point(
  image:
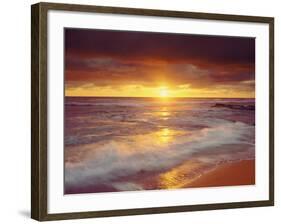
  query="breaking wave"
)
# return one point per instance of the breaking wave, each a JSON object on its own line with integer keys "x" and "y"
{"x": 116, "y": 159}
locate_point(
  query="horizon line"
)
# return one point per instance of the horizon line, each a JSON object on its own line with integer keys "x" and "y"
{"x": 164, "y": 97}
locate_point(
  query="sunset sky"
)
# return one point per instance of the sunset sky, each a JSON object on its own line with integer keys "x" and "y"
{"x": 142, "y": 64}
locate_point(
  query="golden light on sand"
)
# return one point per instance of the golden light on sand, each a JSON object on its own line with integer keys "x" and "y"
{"x": 180, "y": 176}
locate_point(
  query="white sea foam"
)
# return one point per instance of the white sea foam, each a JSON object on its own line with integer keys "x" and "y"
{"x": 129, "y": 156}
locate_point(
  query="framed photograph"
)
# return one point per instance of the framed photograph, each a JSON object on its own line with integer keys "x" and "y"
{"x": 139, "y": 111}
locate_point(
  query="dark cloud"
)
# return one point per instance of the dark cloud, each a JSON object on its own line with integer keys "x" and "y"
{"x": 118, "y": 57}
{"x": 159, "y": 45}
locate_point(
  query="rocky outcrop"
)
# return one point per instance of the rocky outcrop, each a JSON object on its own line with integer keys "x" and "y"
{"x": 235, "y": 106}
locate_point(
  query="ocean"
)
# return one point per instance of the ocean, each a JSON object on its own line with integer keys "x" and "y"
{"x": 116, "y": 144}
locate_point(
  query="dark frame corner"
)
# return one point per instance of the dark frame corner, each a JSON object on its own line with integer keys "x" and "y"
{"x": 39, "y": 110}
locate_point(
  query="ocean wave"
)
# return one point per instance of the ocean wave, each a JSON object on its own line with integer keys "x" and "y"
{"x": 114, "y": 159}
{"x": 91, "y": 104}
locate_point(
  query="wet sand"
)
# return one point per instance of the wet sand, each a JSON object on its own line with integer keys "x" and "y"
{"x": 229, "y": 174}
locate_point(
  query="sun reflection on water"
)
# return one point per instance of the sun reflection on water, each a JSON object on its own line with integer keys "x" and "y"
{"x": 163, "y": 114}
{"x": 165, "y": 135}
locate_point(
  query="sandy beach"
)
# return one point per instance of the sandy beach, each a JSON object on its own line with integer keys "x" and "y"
{"x": 229, "y": 174}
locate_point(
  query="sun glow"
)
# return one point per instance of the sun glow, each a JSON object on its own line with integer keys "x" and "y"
{"x": 158, "y": 91}
{"x": 163, "y": 92}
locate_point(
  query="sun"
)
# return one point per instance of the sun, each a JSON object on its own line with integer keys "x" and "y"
{"x": 163, "y": 92}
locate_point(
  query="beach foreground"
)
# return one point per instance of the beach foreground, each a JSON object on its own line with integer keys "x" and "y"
{"x": 229, "y": 174}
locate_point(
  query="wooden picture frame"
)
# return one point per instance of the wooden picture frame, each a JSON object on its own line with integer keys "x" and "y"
{"x": 39, "y": 108}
